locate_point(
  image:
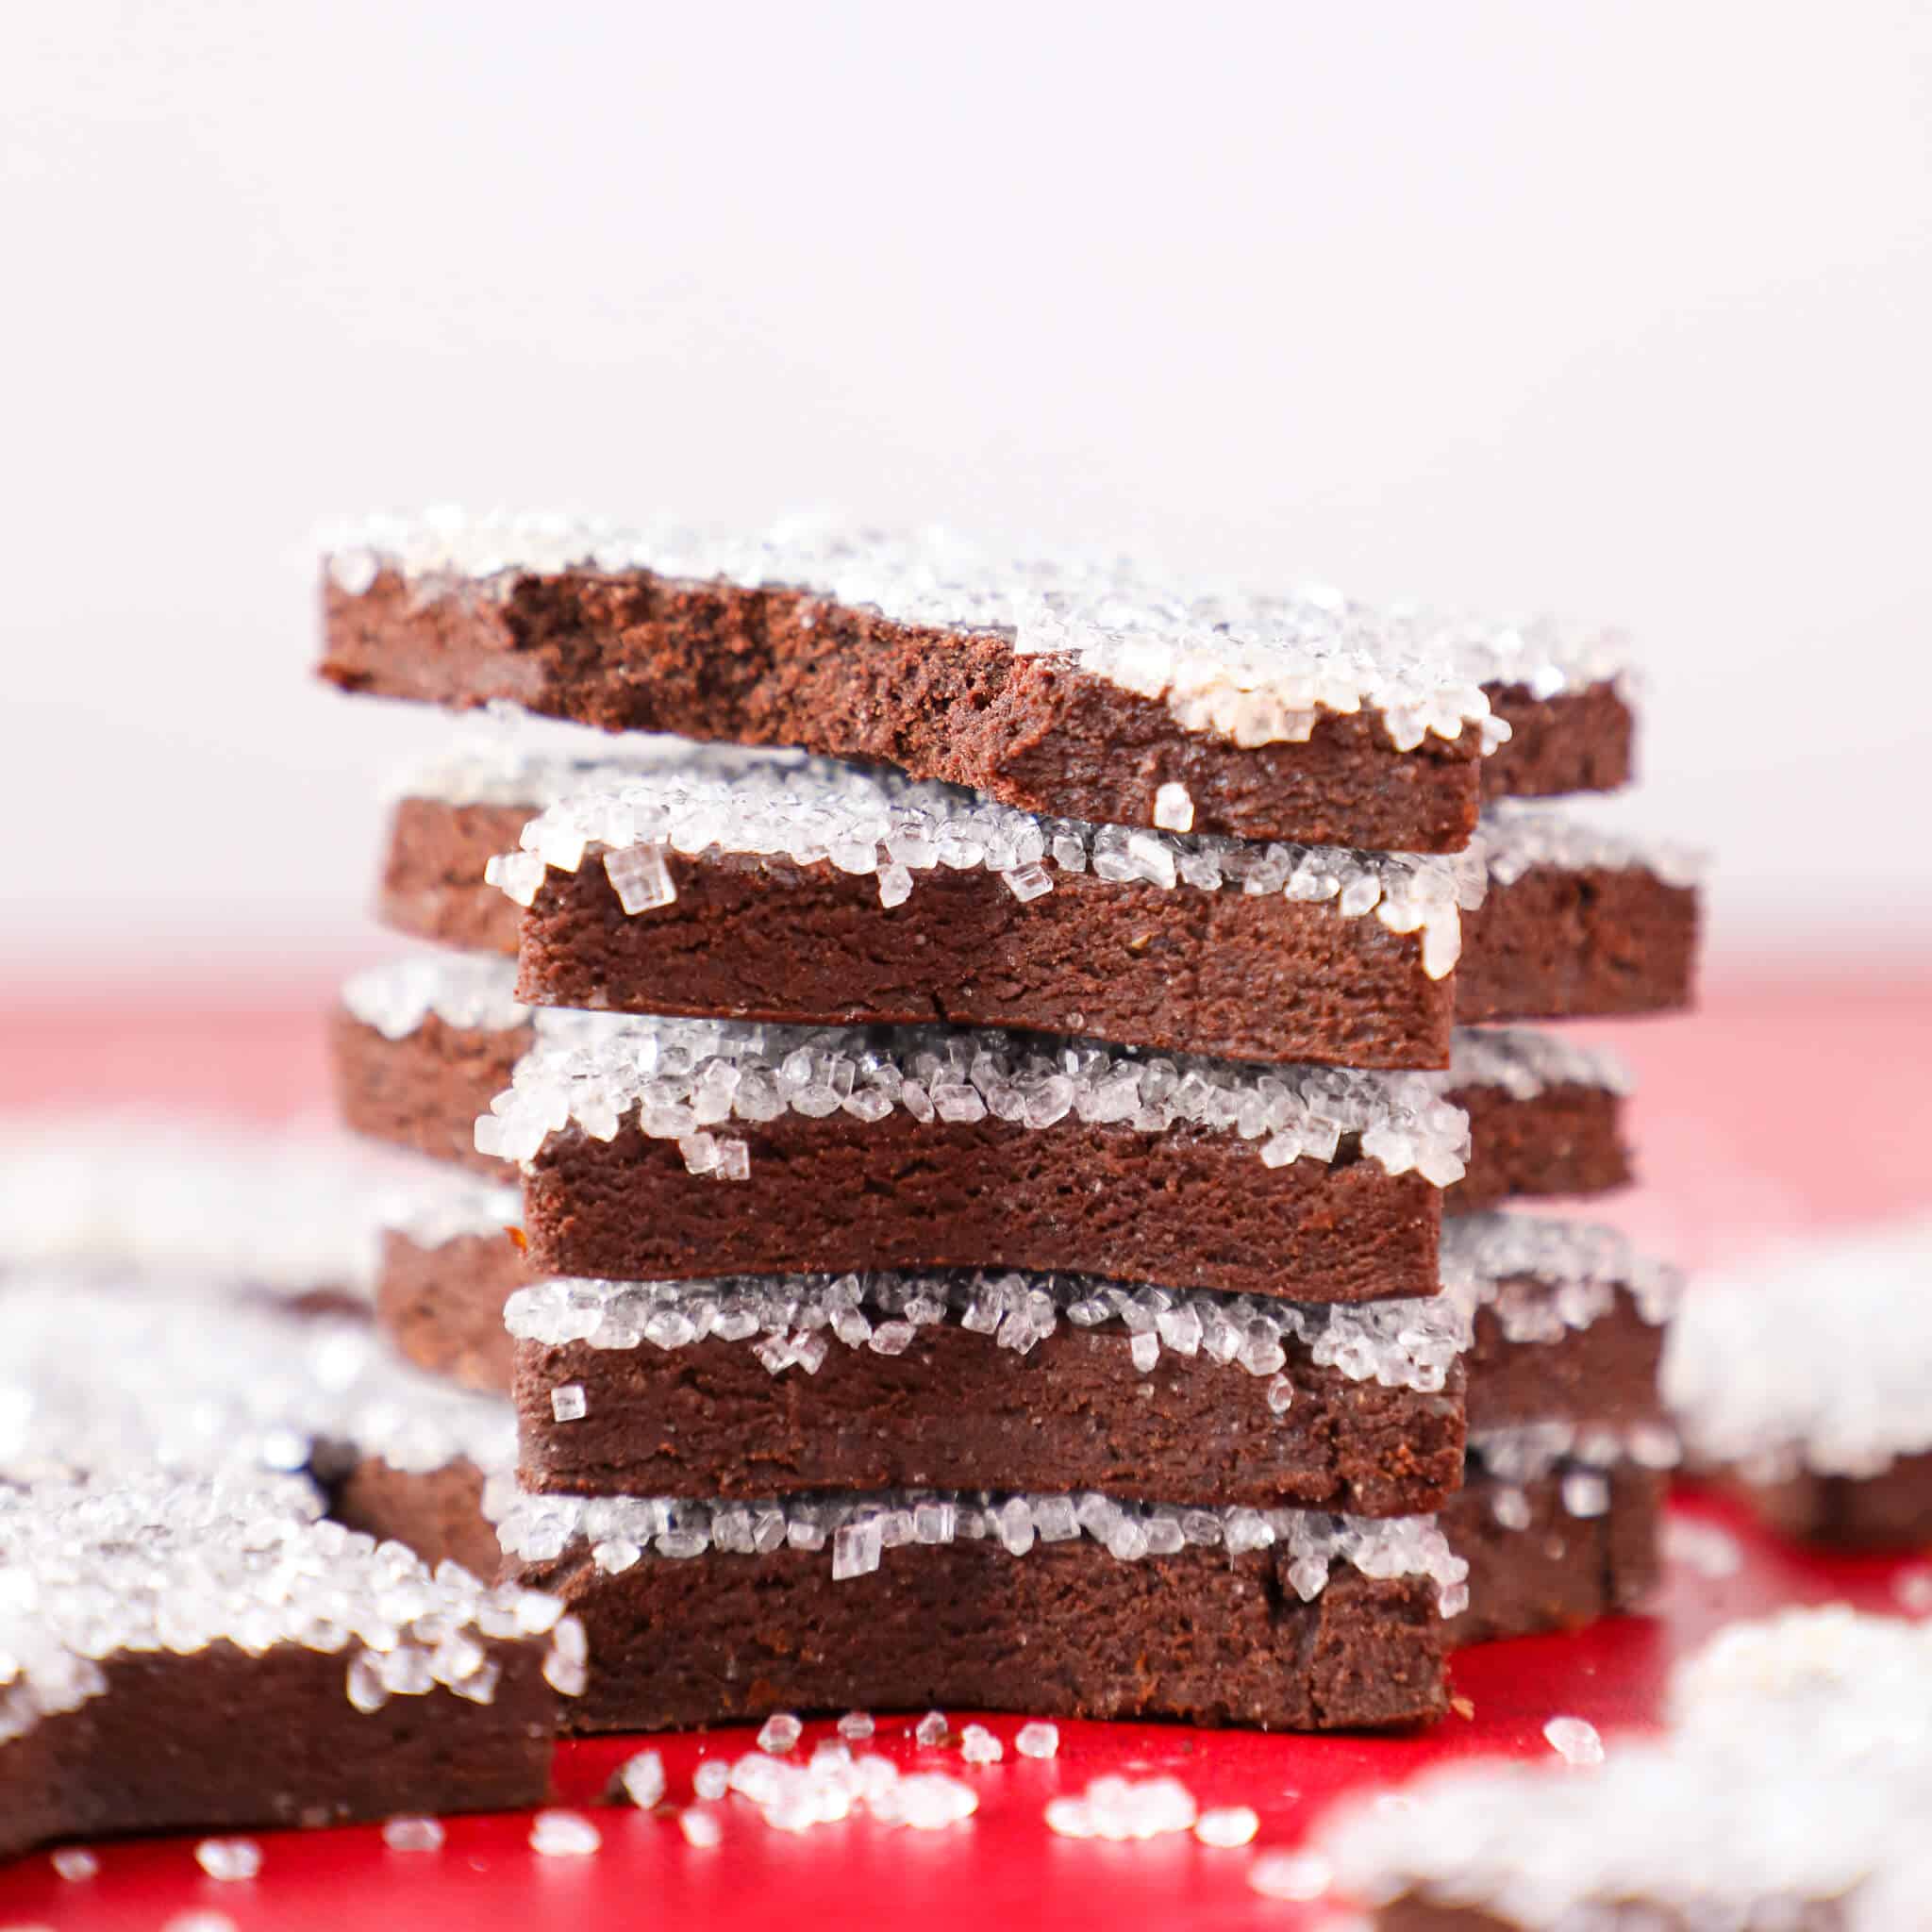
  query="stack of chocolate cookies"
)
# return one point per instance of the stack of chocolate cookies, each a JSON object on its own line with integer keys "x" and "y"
{"x": 1008, "y": 1135}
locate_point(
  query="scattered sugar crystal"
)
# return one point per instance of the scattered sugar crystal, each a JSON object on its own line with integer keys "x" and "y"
{"x": 712, "y": 1778}
{"x": 1119, "y": 1808}
{"x": 700, "y": 1827}
{"x": 640, "y": 878}
{"x": 1038, "y": 1738}
{"x": 1231, "y": 1824}
{"x": 895, "y": 885}
{"x": 1705, "y": 1547}
{"x": 643, "y": 1778}
{"x": 200, "y": 1922}
{"x": 1174, "y": 809}
{"x": 1303, "y": 1876}
{"x": 780, "y": 1732}
{"x": 1586, "y": 1494}
{"x": 75, "y": 1862}
{"x": 1753, "y": 1384}
{"x": 567, "y": 1401}
{"x": 1911, "y": 1589}
{"x": 977, "y": 1745}
{"x": 229, "y": 1858}
{"x": 930, "y": 1801}
{"x": 564, "y": 1835}
{"x": 1575, "y": 1740}
{"x": 413, "y": 1835}
{"x": 1029, "y": 881}
{"x": 856, "y": 1550}
{"x": 932, "y": 1729}
{"x": 1068, "y": 1817}
{"x": 857, "y": 1725}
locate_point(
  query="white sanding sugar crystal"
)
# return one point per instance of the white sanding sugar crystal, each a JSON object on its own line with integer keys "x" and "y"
{"x": 1255, "y": 668}
{"x": 977, "y": 1745}
{"x": 1525, "y": 1062}
{"x": 1798, "y": 1772}
{"x": 1574, "y": 1741}
{"x": 541, "y": 1526}
{"x": 712, "y": 1778}
{"x": 564, "y": 1835}
{"x": 1516, "y": 836}
{"x": 1705, "y": 1547}
{"x": 931, "y": 1729}
{"x": 1911, "y": 1589}
{"x": 781, "y": 1731}
{"x": 661, "y": 1073}
{"x": 1227, "y": 1825}
{"x": 475, "y": 992}
{"x": 1818, "y": 1358}
{"x": 790, "y": 1320}
{"x": 899, "y": 829}
{"x": 1038, "y": 1738}
{"x": 1546, "y": 1277}
{"x": 200, "y": 1922}
{"x": 1303, "y": 1876}
{"x": 1581, "y": 1456}
{"x": 1174, "y": 808}
{"x": 1121, "y": 1810}
{"x": 413, "y": 1835}
{"x": 857, "y": 1725}
{"x": 444, "y": 1203}
{"x": 183, "y": 1379}
{"x": 142, "y": 1562}
{"x": 230, "y": 1859}
{"x": 127, "y": 1195}
{"x": 75, "y": 1864}
{"x": 700, "y": 1827}
{"x": 643, "y": 1778}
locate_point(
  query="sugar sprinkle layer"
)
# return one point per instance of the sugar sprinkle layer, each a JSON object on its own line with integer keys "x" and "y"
{"x": 1819, "y": 1358}
{"x": 106, "y": 1378}
{"x": 95, "y": 1568}
{"x": 1799, "y": 1772}
{"x": 1518, "y": 836}
{"x": 1254, "y": 669}
{"x": 1544, "y": 1276}
{"x": 1526, "y": 1063}
{"x": 897, "y": 830}
{"x": 681, "y": 1078}
{"x": 621, "y": 1531}
{"x": 793, "y": 1320}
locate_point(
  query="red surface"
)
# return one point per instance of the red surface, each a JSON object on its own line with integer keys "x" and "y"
{"x": 1744, "y": 1145}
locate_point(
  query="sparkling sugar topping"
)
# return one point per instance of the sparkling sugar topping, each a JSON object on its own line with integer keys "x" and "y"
{"x": 793, "y": 1320}
{"x": 1258, "y": 669}
{"x": 1516, "y": 836}
{"x": 446, "y": 1203}
{"x": 624, "y": 1530}
{"x": 680, "y": 1078}
{"x": 895, "y": 829}
{"x": 1526, "y": 1063}
{"x": 1819, "y": 1358}
{"x": 106, "y": 1379}
{"x": 1800, "y": 1770}
{"x": 1544, "y": 1276}
{"x": 144, "y": 1562}
{"x": 125, "y": 1195}
{"x": 475, "y": 992}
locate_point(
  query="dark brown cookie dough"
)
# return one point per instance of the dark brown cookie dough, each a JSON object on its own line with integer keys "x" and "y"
{"x": 442, "y": 1305}
{"x": 628, "y": 651}
{"x": 1556, "y": 1571}
{"x": 219, "y": 1739}
{"x": 425, "y": 1090}
{"x": 1604, "y": 1375}
{"x": 1183, "y": 1208}
{"x": 436, "y": 1513}
{"x": 1066, "y": 1630}
{"x": 956, "y": 1411}
{"x": 1891, "y": 1510}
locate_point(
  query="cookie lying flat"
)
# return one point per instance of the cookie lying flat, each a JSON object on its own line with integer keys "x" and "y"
{"x": 203, "y": 1652}
{"x": 1569, "y": 1322}
{"x": 142, "y": 1376}
{"x": 1791, "y": 1790}
{"x": 417, "y": 1044}
{"x": 688, "y": 1148}
{"x": 1806, "y": 1377}
{"x": 791, "y": 1384}
{"x": 450, "y": 1261}
{"x": 1059, "y": 1606}
{"x": 1559, "y": 1527}
{"x": 1088, "y": 690}
{"x": 720, "y": 885}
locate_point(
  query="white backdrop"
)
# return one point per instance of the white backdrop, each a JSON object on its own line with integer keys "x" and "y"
{"x": 1618, "y": 310}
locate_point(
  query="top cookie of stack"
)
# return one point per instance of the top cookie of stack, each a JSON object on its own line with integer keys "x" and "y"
{"x": 1083, "y": 689}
